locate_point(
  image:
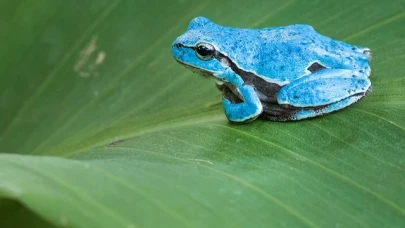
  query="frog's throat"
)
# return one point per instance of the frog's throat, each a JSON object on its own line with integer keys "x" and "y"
{"x": 205, "y": 73}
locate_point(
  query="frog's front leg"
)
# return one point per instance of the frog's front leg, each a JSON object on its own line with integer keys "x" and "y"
{"x": 324, "y": 91}
{"x": 250, "y": 107}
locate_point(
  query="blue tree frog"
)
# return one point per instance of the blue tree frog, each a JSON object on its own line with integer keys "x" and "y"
{"x": 280, "y": 73}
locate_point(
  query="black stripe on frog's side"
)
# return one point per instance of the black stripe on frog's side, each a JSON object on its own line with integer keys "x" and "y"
{"x": 268, "y": 91}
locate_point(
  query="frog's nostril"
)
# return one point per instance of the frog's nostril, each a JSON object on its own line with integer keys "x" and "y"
{"x": 368, "y": 54}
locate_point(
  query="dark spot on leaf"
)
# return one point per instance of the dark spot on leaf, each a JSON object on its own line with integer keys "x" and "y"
{"x": 117, "y": 142}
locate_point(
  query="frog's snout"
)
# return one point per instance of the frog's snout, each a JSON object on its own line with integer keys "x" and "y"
{"x": 177, "y": 45}
{"x": 368, "y": 54}
{"x": 176, "y": 49}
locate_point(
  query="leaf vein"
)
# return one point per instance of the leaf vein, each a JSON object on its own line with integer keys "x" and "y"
{"x": 333, "y": 173}
{"x": 252, "y": 187}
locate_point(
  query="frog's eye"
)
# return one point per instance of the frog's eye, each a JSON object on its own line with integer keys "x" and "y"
{"x": 205, "y": 51}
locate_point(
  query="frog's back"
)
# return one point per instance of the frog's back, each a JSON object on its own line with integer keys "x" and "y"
{"x": 283, "y": 54}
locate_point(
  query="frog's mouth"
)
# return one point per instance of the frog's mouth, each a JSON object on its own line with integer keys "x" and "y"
{"x": 204, "y": 73}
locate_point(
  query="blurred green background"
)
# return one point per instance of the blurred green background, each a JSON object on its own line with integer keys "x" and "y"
{"x": 100, "y": 127}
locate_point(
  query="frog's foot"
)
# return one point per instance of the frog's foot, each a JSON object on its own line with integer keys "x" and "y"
{"x": 279, "y": 113}
{"x": 244, "y": 111}
{"x": 367, "y": 52}
{"x": 319, "y": 93}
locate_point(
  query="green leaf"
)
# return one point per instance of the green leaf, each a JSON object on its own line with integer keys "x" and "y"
{"x": 100, "y": 127}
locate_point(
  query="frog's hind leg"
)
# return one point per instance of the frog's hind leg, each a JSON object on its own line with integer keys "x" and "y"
{"x": 308, "y": 113}
{"x": 319, "y": 93}
{"x": 290, "y": 113}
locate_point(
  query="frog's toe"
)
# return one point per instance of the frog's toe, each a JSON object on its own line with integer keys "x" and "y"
{"x": 367, "y": 52}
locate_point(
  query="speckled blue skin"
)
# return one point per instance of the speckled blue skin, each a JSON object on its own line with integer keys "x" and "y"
{"x": 282, "y": 57}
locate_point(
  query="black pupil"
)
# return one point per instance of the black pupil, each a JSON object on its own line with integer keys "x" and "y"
{"x": 204, "y": 50}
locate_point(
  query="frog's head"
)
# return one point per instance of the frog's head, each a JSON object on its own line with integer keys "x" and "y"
{"x": 196, "y": 48}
